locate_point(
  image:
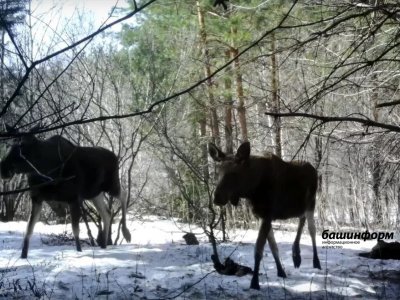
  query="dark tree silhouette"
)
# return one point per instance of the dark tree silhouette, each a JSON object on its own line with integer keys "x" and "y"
{"x": 12, "y": 12}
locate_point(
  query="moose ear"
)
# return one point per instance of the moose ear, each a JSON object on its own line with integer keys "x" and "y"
{"x": 10, "y": 129}
{"x": 243, "y": 152}
{"x": 35, "y": 129}
{"x": 215, "y": 153}
{"x": 30, "y": 135}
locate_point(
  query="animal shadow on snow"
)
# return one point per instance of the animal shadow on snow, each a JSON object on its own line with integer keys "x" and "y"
{"x": 343, "y": 273}
{"x": 340, "y": 268}
{"x": 296, "y": 286}
{"x": 368, "y": 278}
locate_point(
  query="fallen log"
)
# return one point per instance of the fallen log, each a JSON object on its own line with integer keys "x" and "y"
{"x": 230, "y": 267}
{"x": 383, "y": 250}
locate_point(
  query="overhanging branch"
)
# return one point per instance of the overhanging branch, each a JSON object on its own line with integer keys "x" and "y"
{"x": 54, "y": 54}
{"x": 386, "y": 104}
{"x": 37, "y": 186}
{"x": 325, "y": 119}
{"x": 155, "y": 104}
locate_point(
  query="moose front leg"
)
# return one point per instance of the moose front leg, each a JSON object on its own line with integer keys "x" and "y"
{"x": 75, "y": 211}
{"x": 35, "y": 213}
{"x": 259, "y": 250}
{"x": 296, "y": 245}
{"x": 275, "y": 253}
{"x": 313, "y": 231}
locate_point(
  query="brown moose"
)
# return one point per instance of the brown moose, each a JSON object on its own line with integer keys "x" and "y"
{"x": 61, "y": 171}
{"x": 276, "y": 190}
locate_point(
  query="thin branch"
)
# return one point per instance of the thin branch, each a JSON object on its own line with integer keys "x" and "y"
{"x": 51, "y": 83}
{"x": 55, "y": 181}
{"x": 386, "y": 104}
{"x": 364, "y": 121}
{"x": 167, "y": 99}
{"x": 54, "y": 54}
{"x": 19, "y": 53}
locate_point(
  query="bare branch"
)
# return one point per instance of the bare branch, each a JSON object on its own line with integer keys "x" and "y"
{"x": 50, "y": 56}
{"x": 386, "y": 104}
{"x": 47, "y": 183}
{"x": 324, "y": 119}
{"x": 165, "y": 100}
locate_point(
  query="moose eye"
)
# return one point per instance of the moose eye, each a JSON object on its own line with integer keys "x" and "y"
{"x": 19, "y": 148}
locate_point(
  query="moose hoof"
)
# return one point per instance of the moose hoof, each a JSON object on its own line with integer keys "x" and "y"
{"x": 24, "y": 255}
{"x": 126, "y": 234}
{"x": 296, "y": 261}
{"x": 317, "y": 264}
{"x": 254, "y": 285}
{"x": 282, "y": 274}
{"x": 102, "y": 244}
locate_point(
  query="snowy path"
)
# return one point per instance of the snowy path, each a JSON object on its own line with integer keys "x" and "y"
{"x": 158, "y": 265}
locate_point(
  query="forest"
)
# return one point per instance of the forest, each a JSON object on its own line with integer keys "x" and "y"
{"x": 156, "y": 81}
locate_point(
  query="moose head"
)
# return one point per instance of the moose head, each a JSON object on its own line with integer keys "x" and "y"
{"x": 232, "y": 172}
{"x": 23, "y": 153}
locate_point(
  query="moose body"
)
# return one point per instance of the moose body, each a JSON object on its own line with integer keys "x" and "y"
{"x": 383, "y": 250}
{"x": 276, "y": 190}
{"x": 58, "y": 170}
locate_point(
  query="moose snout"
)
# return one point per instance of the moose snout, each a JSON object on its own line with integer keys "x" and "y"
{"x": 219, "y": 202}
{"x": 5, "y": 173}
{"x": 220, "y": 198}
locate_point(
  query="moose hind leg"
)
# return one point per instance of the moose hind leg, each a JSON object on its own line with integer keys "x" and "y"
{"x": 258, "y": 252}
{"x": 312, "y": 230}
{"x": 75, "y": 211}
{"x": 123, "y": 198}
{"x": 116, "y": 191}
{"x": 105, "y": 215}
{"x": 35, "y": 213}
{"x": 296, "y": 245}
{"x": 275, "y": 253}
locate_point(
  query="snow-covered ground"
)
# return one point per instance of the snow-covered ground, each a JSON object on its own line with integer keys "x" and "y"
{"x": 159, "y": 265}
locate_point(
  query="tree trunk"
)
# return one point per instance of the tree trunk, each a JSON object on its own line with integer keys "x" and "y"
{"x": 207, "y": 70}
{"x": 204, "y": 150}
{"x": 2, "y": 73}
{"x": 376, "y": 166}
{"x": 241, "y": 109}
{"x": 228, "y": 132}
{"x": 376, "y": 183}
{"x": 398, "y": 209}
{"x": 228, "y": 109}
{"x": 275, "y": 98}
{"x": 9, "y": 203}
{"x": 322, "y": 207}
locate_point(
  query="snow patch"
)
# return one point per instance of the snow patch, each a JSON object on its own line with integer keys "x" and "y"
{"x": 158, "y": 264}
